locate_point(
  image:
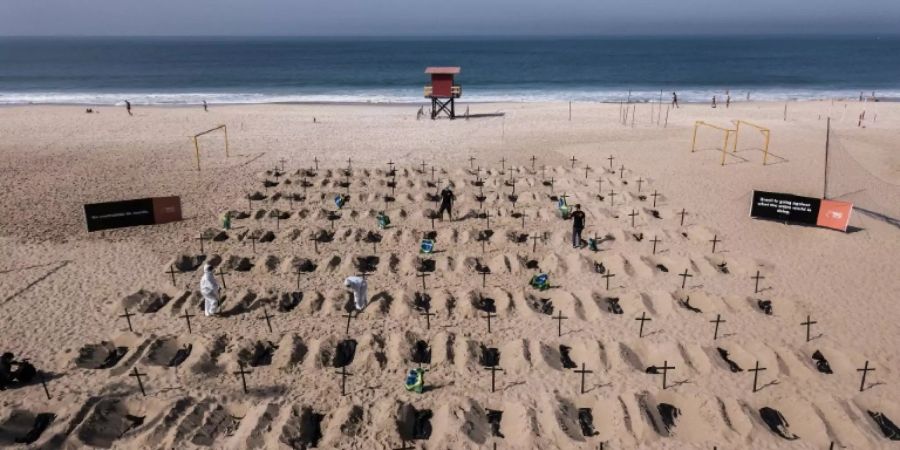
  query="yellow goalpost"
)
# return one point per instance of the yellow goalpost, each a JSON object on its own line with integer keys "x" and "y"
{"x": 727, "y": 132}
{"x": 197, "y": 143}
{"x": 765, "y": 132}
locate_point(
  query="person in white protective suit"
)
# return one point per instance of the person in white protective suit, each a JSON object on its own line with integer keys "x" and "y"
{"x": 359, "y": 287}
{"x": 209, "y": 289}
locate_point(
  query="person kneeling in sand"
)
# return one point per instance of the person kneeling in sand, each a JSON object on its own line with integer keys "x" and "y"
{"x": 209, "y": 289}
{"x": 360, "y": 288}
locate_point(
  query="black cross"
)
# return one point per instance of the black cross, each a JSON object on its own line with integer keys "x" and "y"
{"x": 682, "y": 213}
{"x": 298, "y": 272}
{"x": 611, "y": 158}
{"x": 422, "y": 276}
{"x": 717, "y": 322}
{"x": 316, "y": 161}
{"x": 564, "y": 197}
{"x": 471, "y": 160}
{"x": 612, "y": 195}
{"x": 533, "y": 159}
{"x": 172, "y": 272}
{"x": 423, "y": 166}
{"x": 349, "y": 164}
{"x": 715, "y": 240}
{"x": 684, "y": 276}
{"x": 201, "y": 239}
{"x": 137, "y": 375}
{"x": 267, "y": 317}
{"x": 513, "y": 181}
{"x": 282, "y": 161}
{"x": 488, "y": 316}
{"x": 756, "y": 278}
{"x": 655, "y": 241}
{"x": 253, "y": 238}
{"x": 344, "y": 374}
{"x": 277, "y": 220}
{"x": 654, "y": 195}
{"x": 316, "y": 244}
{"x": 559, "y": 318}
{"x": 543, "y": 172}
{"x": 551, "y": 184}
{"x": 484, "y": 274}
{"x": 573, "y": 162}
{"x": 243, "y": 373}
{"x": 608, "y": 275}
{"x": 127, "y": 317}
{"x": 622, "y": 171}
{"x": 47, "y": 390}
{"x": 642, "y": 319}
{"x": 665, "y": 370}
{"x": 483, "y": 243}
{"x": 586, "y": 169}
{"x": 523, "y": 220}
{"x": 503, "y": 163}
{"x": 494, "y": 370}
{"x": 432, "y": 173}
{"x": 349, "y": 316}
{"x": 639, "y": 182}
{"x": 599, "y": 186}
{"x": 866, "y": 369}
{"x": 487, "y": 218}
{"x": 427, "y": 315}
{"x": 391, "y": 166}
{"x": 633, "y": 214}
{"x": 534, "y": 240}
{"x": 187, "y": 317}
{"x": 249, "y": 201}
{"x": 583, "y": 371}
{"x": 808, "y": 324}
{"x": 756, "y": 371}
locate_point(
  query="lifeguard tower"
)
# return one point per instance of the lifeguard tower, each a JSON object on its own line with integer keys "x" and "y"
{"x": 442, "y": 91}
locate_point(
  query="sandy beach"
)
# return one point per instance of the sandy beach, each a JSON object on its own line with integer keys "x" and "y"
{"x": 63, "y": 290}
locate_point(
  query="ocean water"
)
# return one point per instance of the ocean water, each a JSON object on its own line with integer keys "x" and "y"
{"x": 261, "y": 70}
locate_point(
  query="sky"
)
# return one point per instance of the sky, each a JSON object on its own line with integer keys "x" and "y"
{"x": 444, "y": 18}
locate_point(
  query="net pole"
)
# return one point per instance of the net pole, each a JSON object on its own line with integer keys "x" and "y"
{"x": 827, "y": 144}
{"x": 694, "y": 140}
{"x": 766, "y": 149}
{"x": 227, "y": 155}
{"x": 197, "y": 152}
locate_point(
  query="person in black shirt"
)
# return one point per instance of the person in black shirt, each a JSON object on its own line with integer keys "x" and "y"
{"x": 447, "y": 198}
{"x": 128, "y": 107}
{"x": 577, "y": 226}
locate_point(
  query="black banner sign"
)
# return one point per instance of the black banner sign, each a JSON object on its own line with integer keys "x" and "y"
{"x": 130, "y": 213}
{"x": 785, "y": 207}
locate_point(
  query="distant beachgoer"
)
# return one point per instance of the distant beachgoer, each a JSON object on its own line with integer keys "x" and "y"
{"x": 675, "y": 100}
{"x": 128, "y": 107}
{"x": 577, "y": 226}
{"x": 360, "y": 289}
{"x": 727, "y": 101}
{"x": 205, "y": 108}
{"x": 447, "y": 198}
{"x": 209, "y": 289}
{"x": 714, "y": 101}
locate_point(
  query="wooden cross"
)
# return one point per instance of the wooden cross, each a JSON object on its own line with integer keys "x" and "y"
{"x": 278, "y": 220}
{"x": 422, "y": 275}
{"x": 551, "y": 184}
{"x": 583, "y": 371}
{"x": 243, "y": 373}
{"x": 201, "y": 239}
{"x": 483, "y": 243}
{"x": 390, "y": 166}
{"x": 432, "y": 173}
{"x": 249, "y": 201}
{"x": 513, "y": 181}
{"x": 655, "y": 241}
{"x": 344, "y": 374}
{"x": 599, "y": 186}
{"x": 633, "y": 214}
{"x": 315, "y": 244}
{"x": 639, "y": 182}
{"x": 608, "y": 275}
{"x": 523, "y": 220}
{"x": 268, "y": 318}
{"x": 756, "y": 278}
{"x": 654, "y": 195}
{"x": 349, "y": 316}
{"x": 611, "y": 158}
{"x": 543, "y": 172}
{"x": 665, "y": 370}
{"x": 503, "y": 163}
{"x": 586, "y": 169}
{"x": 612, "y": 195}
{"x": 756, "y": 371}
{"x": 488, "y": 316}
{"x": 866, "y": 369}
{"x": 291, "y": 201}
{"x": 127, "y": 317}
{"x": 534, "y": 239}
{"x": 253, "y": 238}
{"x": 559, "y": 318}
{"x": 573, "y": 162}
{"x": 137, "y": 375}
{"x": 187, "y": 317}
{"x": 622, "y": 171}
{"x": 427, "y": 314}
{"x": 715, "y": 240}
{"x": 717, "y": 322}
{"x": 172, "y": 272}
{"x": 316, "y": 161}
{"x": 642, "y": 319}
{"x": 423, "y": 166}
{"x": 471, "y": 160}
{"x": 298, "y": 272}
{"x": 487, "y": 218}
{"x": 808, "y": 324}
{"x": 682, "y": 213}
{"x": 282, "y": 161}
{"x": 684, "y": 276}
{"x": 564, "y": 197}
{"x": 494, "y": 370}
{"x": 349, "y": 164}
{"x": 533, "y": 159}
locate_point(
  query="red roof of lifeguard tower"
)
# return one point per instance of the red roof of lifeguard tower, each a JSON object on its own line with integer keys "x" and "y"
{"x": 442, "y": 70}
